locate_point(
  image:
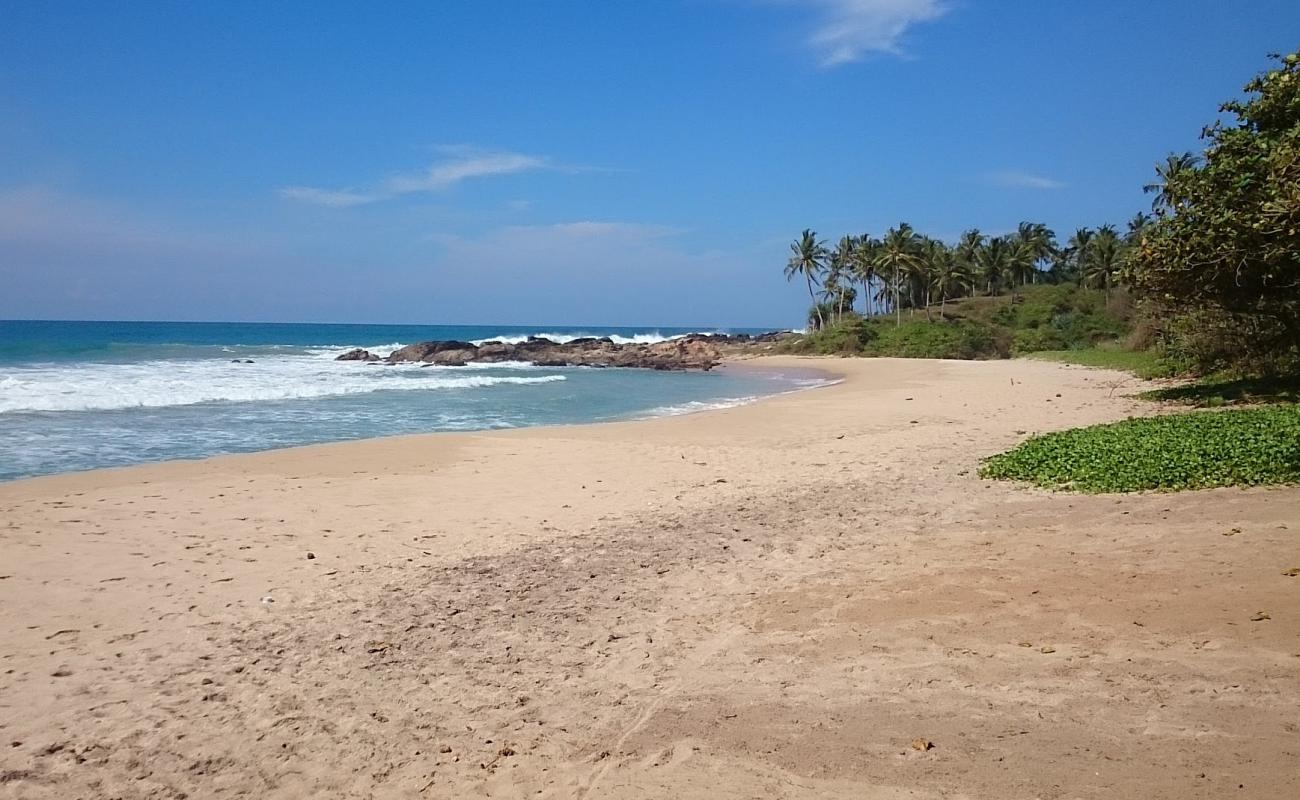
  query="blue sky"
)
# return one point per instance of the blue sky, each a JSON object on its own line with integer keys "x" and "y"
{"x": 566, "y": 162}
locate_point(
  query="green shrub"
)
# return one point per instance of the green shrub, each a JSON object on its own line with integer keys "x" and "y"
{"x": 1210, "y": 341}
{"x": 937, "y": 339}
{"x": 1032, "y": 340}
{"x": 850, "y": 336}
{"x": 1181, "y": 451}
{"x": 1062, "y": 318}
{"x": 1036, "y": 318}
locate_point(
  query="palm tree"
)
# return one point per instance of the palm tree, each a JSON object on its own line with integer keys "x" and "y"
{"x": 993, "y": 261}
{"x": 969, "y": 245}
{"x": 898, "y": 253}
{"x": 1040, "y": 243}
{"x": 840, "y": 270}
{"x": 950, "y": 276}
{"x": 1080, "y": 247}
{"x": 933, "y": 256}
{"x": 864, "y": 265}
{"x": 1166, "y": 172}
{"x": 1136, "y": 227}
{"x": 1021, "y": 257}
{"x": 1105, "y": 258}
{"x": 836, "y": 298}
{"x": 808, "y": 258}
{"x": 967, "y": 251}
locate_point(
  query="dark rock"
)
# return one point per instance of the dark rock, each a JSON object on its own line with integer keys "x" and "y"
{"x": 590, "y": 342}
{"x": 357, "y": 354}
{"x": 495, "y": 351}
{"x": 690, "y": 352}
{"x": 423, "y": 350}
{"x": 535, "y": 343}
{"x": 452, "y": 356}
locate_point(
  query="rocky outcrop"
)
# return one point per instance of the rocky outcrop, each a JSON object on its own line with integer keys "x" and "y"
{"x": 424, "y": 351}
{"x": 358, "y": 354}
{"x": 694, "y": 351}
{"x": 697, "y": 351}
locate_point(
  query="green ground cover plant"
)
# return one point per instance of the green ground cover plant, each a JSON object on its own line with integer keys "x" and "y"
{"x": 1196, "y": 450}
{"x": 1143, "y": 363}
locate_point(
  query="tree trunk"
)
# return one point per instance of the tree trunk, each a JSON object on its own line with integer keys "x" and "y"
{"x": 898, "y": 306}
{"x": 821, "y": 323}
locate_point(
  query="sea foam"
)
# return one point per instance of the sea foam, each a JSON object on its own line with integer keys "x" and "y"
{"x": 159, "y": 384}
{"x": 563, "y": 338}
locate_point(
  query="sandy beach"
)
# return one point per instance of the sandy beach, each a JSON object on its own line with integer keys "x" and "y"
{"x": 813, "y": 596}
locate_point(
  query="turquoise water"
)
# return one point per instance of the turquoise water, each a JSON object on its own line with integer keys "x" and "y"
{"x": 83, "y": 395}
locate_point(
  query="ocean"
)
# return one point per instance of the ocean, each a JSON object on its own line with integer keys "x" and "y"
{"x": 84, "y": 395}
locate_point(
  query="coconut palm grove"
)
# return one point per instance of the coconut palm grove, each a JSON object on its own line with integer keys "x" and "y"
{"x": 1205, "y": 282}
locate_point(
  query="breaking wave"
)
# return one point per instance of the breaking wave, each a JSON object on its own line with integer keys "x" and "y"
{"x": 106, "y": 387}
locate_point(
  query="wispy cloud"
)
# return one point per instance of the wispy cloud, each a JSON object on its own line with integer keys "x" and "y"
{"x": 849, "y": 30}
{"x": 459, "y": 163}
{"x": 588, "y": 229}
{"x": 334, "y": 198}
{"x": 567, "y": 238}
{"x": 1014, "y": 179}
{"x": 463, "y": 164}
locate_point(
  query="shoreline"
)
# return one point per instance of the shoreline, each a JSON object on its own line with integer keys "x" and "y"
{"x": 740, "y": 364}
{"x": 783, "y": 594}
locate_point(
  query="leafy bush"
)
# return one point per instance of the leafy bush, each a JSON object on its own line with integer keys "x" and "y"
{"x": 1209, "y": 341}
{"x": 1196, "y": 450}
{"x": 1063, "y": 318}
{"x": 1225, "y": 245}
{"x": 914, "y": 338}
{"x": 949, "y": 339}
{"x": 850, "y": 336}
{"x": 1032, "y": 340}
{"x": 1039, "y": 318}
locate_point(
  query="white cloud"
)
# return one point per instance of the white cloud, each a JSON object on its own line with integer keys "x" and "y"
{"x": 1022, "y": 180}
{"x": 334, "y": 198}
{"x": 587, "y": 229}
{"x": 464, "y": 164}
{"x": 460, "y": 163}
{"x": 849, "y": 30}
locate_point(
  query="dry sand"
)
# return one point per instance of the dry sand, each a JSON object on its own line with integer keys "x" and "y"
{"x": 769, "y": 601}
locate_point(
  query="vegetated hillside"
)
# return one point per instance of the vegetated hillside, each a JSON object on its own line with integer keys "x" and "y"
{"x": 1036, "y": 318}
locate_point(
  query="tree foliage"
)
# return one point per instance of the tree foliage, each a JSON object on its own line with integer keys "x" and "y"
{"x": 1225, "y": 242}
{"x": 808, "y": 259}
